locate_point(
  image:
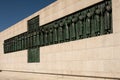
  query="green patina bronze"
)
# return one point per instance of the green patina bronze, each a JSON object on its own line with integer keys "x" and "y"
{"x": 92, "y": 21}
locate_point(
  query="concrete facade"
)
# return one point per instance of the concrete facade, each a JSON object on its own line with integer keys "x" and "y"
{"x": 96, "y": 58}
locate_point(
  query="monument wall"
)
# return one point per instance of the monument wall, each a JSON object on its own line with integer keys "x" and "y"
{"x": 95, "y": 58}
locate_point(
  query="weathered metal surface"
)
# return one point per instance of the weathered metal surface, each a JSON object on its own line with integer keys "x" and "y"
{"x": 92, "y": 21}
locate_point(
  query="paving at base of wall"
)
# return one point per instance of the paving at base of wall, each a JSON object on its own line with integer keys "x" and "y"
{"x": 18, "y": 75}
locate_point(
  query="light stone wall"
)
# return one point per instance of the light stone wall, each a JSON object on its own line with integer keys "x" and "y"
{"x": 96, "y": 56}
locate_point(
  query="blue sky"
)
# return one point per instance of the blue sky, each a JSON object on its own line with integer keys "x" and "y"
{"x": 12, "y": 11}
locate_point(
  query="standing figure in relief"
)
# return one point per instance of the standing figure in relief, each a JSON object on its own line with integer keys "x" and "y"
{"x": 66, "y": 30}
{"x": 50, "y": 35}
{"x": 92, "y": 11}
{"x": 5, "y": 47}
{"x": 108, "y": 17}
{"x": 83, "y": 14}
{"x": 88, "y": 24}
{"x": 55, "y": 34}
{"x": 81, "y": 25}
{"x": 46, "y": 36}
{"x": 97, "y": 20}
{"x": 77, "y": 25}
{"x": 41, "y": 36}
{"x": 73, "y": 27}
{"x": 60, "y": 32}
{"x": 69, "y": 26}
{"x": 102, "y": 20}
